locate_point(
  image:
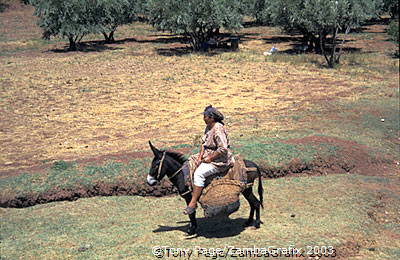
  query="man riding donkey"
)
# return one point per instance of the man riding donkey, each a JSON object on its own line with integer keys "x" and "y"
{"x": 214, "y": 156}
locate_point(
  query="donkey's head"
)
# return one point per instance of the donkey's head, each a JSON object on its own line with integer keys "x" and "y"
{"x": 156, "y": 170}
{"x": 164, "y": 163}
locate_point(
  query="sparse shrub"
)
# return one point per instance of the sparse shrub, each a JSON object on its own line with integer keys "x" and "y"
{"x": 61, "y": 165}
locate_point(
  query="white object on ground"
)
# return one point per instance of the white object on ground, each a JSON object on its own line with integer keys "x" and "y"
{"x": 271, "y": 51}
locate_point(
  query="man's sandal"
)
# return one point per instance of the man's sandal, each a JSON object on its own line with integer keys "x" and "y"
{"x": 188, "y": 210}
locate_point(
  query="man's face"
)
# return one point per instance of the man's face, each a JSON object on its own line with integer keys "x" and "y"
{"x": 208, "y": 120}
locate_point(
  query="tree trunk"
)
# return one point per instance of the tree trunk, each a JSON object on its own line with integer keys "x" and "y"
{"x": 330, "y": 57}
{"x": 109, "y": 38}
{"x": 198, "y": 39}
{"x": 337, "y": 59}
{"x": 72, "y": 43}
{"x": 194, "y": 41}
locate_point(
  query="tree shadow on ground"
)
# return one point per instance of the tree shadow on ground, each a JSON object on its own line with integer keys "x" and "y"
{"x": 297, "y": 45}
{"x": 86, "y": 47}
{"x": 223, "y": 45}
{"x": 175, "y": 51}
{"x": 378, "y": 21}
{"x": 210, "y": 227}
{"x": 102, "y": 45}
{"x": 296, "y": 50}
{"x": 364, "y": 27}
{"x": 164, "y": 39}
{"x": 282, "y": 39}
{"x": 298, "y": 40}
{"x": 251, "y": 24}
{"x": 181, "y": 51}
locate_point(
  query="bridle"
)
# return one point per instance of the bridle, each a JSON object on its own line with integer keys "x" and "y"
{"x": 160, "y": 168}
{"x": 173, "y": 175}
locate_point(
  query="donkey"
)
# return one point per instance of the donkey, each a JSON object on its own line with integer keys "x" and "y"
{"x": 167, "y": 163}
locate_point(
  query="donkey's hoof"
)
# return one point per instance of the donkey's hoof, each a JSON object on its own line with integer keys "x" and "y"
{"x": 248, "y": 223}
{"x": 191, "y": 231}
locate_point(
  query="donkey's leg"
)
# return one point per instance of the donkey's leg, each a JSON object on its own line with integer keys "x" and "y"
{"x": 193, "y": 222}
{"x": 246, "y": 193}
{"x": 254, "y": 206}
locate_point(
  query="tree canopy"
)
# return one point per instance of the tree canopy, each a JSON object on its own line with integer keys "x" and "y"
{"x": 197, "y": 19}
{"x": 74, "y": 19}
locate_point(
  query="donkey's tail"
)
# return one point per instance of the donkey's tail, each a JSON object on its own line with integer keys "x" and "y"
{"x": 260, "y": 187}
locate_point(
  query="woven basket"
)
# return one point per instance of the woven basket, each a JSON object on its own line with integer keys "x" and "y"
{"x": 220, "y": 211}
{"x": 220, "y": 197}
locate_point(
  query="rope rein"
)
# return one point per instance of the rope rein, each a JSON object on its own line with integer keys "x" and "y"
{"x": 160, "y": 168}
{"x": 175, "y": 173}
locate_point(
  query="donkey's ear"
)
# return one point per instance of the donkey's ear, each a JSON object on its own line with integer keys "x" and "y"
{"x": 155, "y": 150}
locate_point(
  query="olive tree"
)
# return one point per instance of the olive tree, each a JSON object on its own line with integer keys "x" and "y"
{"x": 200, "y": 20}
{"x": 318, "y": 19}
{"x": 109, "y": 14}
{"x": 73, "y": 19}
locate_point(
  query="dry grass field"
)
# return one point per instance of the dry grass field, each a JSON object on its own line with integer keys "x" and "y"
{"x": 113, "y": 98}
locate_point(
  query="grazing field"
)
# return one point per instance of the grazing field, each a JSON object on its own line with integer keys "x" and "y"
{"x": 356, "y": 215}
{"x": 77, "y": 125}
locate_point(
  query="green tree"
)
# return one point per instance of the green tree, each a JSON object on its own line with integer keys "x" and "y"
{"x": 392, "y": 7}
{"x": 71, "y": 19}
{"x": 198, "y": 19}
{"x": 393, "y": 32}
{"x": 318, "y": 19}
{"x": 246, "y": 7}
{"x": 109, "y": 14}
